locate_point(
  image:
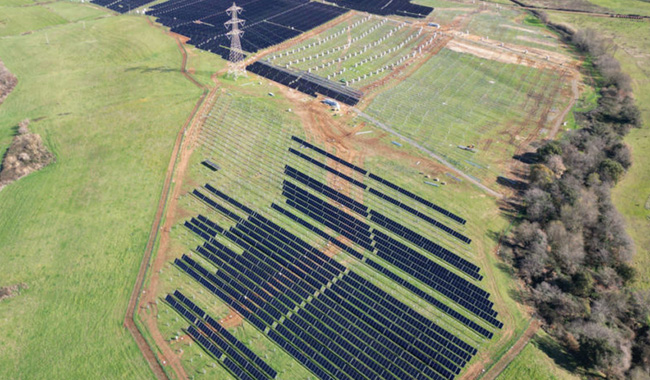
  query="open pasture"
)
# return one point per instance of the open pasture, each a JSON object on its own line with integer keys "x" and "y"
{"x": 108, "y": 98}
{"x": 458, "y": 100}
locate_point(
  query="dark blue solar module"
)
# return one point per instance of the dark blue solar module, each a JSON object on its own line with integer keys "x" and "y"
{"x": 422, "y": 216}
{"x": 121, "y": 6}
{"x": 328, "y": 155}
{"x": 210, "y": 165}
{"x": 329, "y": 169}
{"x": 426, "y": 244}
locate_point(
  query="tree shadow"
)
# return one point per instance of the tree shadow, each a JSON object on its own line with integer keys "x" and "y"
{"x": 529, "y": 158}
{"x": 556, "y": 352}
{"x": 513, "y": 184}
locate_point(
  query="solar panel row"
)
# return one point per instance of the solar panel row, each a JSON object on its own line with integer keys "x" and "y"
{"x": 305, "y": 82}
{"x": 328, "y": 215}
{"x": 329, "y": 169}
{"x": 426, "y": 244}
{"x": 216, "y": 337}
{"x": 422, "y": 216}
{"x": 216, "y": 206}
{"x": 326, "y": 190}
{"x": 329, "y": 155}
{"x": 228, "y": 199}
{"x": 418, "y": 198}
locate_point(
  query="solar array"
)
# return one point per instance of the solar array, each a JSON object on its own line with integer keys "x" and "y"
{"x": 234, "y": 355}
{"x": 268, "y": 22}
{"x": 330, "y": 319}
{"x": 387, "y": 7}
{"x": 341, "y": 278}
{"x": 121, "y": 6}
{"x": 305, "y": 82}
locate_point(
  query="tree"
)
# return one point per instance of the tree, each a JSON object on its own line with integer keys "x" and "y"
{"x": 539, "y": 205}
{"x": 549, "y": 149}
{"x": 611, "y": 170}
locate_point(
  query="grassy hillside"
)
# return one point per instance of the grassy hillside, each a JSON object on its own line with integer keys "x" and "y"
{"x": 108, "y": 98}
{"x": 534, "y": 363}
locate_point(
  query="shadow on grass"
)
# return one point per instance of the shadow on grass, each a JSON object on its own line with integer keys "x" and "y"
{"x": 556, "y": 352}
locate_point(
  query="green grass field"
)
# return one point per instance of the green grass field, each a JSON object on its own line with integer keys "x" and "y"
{"x": 632, "y": 193}
{"x": 534, "y": 362}
{"x": 108, "y": 99}
{"x": 459, "y": 99}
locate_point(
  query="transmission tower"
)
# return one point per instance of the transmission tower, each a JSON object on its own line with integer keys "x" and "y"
{"x": 236, "y": 60}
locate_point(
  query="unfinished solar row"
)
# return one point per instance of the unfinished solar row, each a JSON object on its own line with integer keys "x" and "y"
{"x": 233, "y": 354}
{"x": 381, "y": 180}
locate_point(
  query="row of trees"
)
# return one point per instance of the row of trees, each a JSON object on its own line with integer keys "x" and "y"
{"x": 571, "y": 249}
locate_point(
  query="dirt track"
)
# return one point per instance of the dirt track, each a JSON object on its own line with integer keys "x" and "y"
{"x": 513, "y": 352}
{"x": 167, "y": 356}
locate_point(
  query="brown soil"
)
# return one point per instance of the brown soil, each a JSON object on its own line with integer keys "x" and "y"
{"x": 232, "y": 320}
{"x": 510, "y": 53}
{"x": 7, "y": 82}
{"x": 25, "y": 155}
{"x": 535, "y": 41}
{"x": 11, "y": 290}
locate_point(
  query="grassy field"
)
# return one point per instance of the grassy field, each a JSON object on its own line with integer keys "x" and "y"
{"x": 632, "y": 193}
{"x": 534, "y": 362}
{"x": 459, "y": 99}
{"x": 107, "y": 98}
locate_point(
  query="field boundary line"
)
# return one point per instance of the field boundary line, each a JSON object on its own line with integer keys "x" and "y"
{"x": 513, "y": 352}
{"x": 129, "y": 319}
{"x": 428, "y": 152}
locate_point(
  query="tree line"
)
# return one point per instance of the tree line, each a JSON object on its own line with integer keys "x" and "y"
{"x": 570, "y": 247}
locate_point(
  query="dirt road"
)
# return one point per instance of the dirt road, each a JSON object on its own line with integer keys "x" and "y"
{"x": 129, "y": 319}
{"x": 513, "y": 352}
{"x": 430, "y": 153}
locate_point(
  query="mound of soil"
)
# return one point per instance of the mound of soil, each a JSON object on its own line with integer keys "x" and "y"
{"x": 7, "y": 82}
{"x": 11, "y": 291}
{"x": 25, "y": 155}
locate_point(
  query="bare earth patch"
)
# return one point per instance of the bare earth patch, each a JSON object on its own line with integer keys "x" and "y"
{"x": 26, "y": 154}
{"x": 11, "y": 290}
{"x": 7, "y": 82}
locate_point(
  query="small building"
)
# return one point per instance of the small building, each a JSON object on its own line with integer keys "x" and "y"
{"x": 433, "y": 24}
